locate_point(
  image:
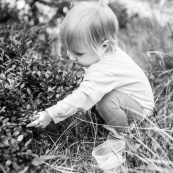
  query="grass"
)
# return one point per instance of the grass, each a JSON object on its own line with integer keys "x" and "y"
{"x": 145, "y": 35}
{"x": 150, "y": 143}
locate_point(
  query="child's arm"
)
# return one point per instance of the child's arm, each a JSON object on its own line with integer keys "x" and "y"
{"x": 95, "y": 85}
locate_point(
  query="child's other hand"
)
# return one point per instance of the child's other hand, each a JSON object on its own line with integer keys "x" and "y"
{"x": 40, "y": 119}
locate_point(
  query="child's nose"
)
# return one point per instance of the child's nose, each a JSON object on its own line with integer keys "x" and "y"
{"x": 72, "y": 57}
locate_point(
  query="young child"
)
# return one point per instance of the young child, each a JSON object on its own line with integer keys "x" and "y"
{"x": 113, "y": 81}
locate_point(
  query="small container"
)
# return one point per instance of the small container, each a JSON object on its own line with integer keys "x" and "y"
{"x": 109, "y": 154}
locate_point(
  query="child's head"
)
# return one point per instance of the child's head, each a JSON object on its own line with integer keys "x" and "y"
{"x": 90, "y": 24}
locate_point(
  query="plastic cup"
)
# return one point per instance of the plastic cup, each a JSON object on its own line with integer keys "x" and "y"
{"x": 109, "y": 154}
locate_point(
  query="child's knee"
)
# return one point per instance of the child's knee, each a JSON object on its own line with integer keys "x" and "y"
{"x": 106, "y": 104}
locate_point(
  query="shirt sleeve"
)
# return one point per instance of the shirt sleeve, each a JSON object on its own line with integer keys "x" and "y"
{"x": 93, "y": 87}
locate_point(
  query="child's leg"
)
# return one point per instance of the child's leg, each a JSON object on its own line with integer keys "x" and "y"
{"x": 116, "y": 108}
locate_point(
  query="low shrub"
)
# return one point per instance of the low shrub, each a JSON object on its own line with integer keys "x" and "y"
{"x": 30, "y": 80}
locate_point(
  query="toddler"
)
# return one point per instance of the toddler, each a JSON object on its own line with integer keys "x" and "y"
{"x": 112, "y": 81}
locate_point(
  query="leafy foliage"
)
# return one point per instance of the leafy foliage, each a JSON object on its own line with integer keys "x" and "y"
{"x": 28, "y": 82}
{"x": 32, "y": 10}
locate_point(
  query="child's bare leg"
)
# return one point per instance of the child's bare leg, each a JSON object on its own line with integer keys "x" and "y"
{"x": 116, "y": 108}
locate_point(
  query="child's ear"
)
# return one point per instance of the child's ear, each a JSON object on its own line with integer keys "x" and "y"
{"x": 105, "y": 46}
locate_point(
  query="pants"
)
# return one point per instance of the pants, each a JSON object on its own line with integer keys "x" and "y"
{"x": 117, "y": 108}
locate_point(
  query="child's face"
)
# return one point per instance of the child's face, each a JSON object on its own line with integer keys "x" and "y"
{"x": 84, "y": 57}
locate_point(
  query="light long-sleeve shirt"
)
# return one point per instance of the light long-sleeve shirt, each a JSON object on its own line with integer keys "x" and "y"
{"x": 115, "y": 71}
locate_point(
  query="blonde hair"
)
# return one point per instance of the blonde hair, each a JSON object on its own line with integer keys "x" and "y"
{"x": 89, "y": 23}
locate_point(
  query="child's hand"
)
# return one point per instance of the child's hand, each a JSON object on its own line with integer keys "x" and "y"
{"x": 40, "y": 119}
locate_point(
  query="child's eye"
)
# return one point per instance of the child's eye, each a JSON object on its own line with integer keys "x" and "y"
{"x": 79, "y": 54}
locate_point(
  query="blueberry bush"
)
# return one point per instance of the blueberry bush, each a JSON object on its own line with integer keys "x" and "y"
{"x": 30, "y": 80}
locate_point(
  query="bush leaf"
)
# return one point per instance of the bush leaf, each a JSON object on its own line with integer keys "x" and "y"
{"x": 20, "y": 138}
{"x": 37, "y": 161}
